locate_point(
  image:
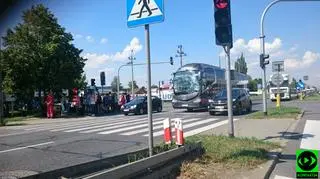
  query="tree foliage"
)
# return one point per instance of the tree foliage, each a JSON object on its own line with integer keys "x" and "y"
{"x": 135, "y": 86}
{"x": 241, "y": 65}
{"x": 253, "y": 84}
{"x": 39, "y": 55}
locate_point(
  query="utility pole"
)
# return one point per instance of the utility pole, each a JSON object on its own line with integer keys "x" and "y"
{"x": 131, "y": 58}
{"x": 181, "y": 54}
{"x": 1, "y": 91}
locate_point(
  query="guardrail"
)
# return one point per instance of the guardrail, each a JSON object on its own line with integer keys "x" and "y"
{"x": 147, "y": 166}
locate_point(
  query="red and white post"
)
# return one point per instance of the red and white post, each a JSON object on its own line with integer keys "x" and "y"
{"x": 179, "y": 132}
{"x": 167, "y": 130}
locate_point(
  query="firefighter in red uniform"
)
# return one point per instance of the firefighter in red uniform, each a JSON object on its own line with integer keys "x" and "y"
{"x": 50, "y": 103}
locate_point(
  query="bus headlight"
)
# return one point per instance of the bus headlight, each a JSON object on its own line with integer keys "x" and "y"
{"x": 174, "y": 100}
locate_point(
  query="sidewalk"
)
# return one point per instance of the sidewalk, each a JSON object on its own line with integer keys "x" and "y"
{"x": 277, "y": 130}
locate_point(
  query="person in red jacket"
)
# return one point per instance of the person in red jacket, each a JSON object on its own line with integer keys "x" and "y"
{"x": 50, "y": 103}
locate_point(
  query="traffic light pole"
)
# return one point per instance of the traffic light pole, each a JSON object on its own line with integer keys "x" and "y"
{"x": 262, "y": 46}
{"x": 229, "y": 94}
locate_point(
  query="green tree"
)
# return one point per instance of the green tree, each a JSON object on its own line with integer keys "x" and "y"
{"x": 241, "y": 65}
{"x": 39, "y": 55}
{"x": 135, "y": 86}
{"x": 114, "y": 84}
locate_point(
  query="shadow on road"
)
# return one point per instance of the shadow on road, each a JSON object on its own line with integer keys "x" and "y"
{"x": 290, "y": 136}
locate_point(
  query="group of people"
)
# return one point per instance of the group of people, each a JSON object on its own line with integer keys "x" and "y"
{"x": 91, "y": 103}
{"x": 98, "y": 104}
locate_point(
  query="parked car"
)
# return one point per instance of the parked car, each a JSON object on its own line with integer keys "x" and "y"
{"x": 240, "y": 101}
{"x": 139, "y": 105}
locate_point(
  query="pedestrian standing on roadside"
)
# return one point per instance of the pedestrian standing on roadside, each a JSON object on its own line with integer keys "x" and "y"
{"x": 50, "y": 104}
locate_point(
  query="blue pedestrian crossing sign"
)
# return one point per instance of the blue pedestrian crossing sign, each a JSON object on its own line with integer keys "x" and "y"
{"x": 300, "y": 85}
{"x": 142, "y": 12}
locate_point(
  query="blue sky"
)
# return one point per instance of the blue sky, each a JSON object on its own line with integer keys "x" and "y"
{"x": 100, "y": 29}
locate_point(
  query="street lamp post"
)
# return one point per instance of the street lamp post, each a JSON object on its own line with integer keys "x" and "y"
{"x": 262, "y": 47}
{"x": 131, "y": 58}
{"x": 181, "y": 54}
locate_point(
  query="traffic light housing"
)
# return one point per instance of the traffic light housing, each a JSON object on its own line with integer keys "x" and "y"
{"x": 223, "y": 26}
{"x": 102, "y": 78}
{"x": 263, "y": 60}
{"x": 93, "y": 82}
{"x": 171, "y": 60}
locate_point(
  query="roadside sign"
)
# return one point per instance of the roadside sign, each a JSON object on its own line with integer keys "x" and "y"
{"x": 277, "y": 79}
{"x": 142, "y": 12}
{"x": 301, "y": 85}
{"x": 278, "y": 66}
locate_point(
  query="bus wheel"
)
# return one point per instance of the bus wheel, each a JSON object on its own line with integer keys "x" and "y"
{"x": 212, "y": 113}
{"x": 189, "y": 109}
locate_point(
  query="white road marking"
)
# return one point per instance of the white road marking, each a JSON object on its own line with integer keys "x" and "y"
{"x": 205, "y": 128}
{"x": 311, "y": 135}
{"x": 144, "y": 124}
{"x": 281, "y": 177}
{"x": 119, "y": 126}
{"x": 105, "y": 125}
{"x": 157, "y": 127}
{"x": 159, "y": 133}
{"x": 30, "y": 146}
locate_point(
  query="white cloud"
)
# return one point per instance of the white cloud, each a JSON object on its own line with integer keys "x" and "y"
{"x": 90, "y": 39}
{"x": 103, "y": 40}
{"x": 307, "y": 60}
{"x": 98, "y": 60}
{"x": 134, "y": 45}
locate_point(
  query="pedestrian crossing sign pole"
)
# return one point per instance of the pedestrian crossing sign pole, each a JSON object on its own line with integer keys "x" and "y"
{"x": 143, "y": 13}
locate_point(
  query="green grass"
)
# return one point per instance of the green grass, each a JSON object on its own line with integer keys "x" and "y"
{"x": 237, "y": 152}
{"x": 277, "y": 113}
{"x": 315, "y": 97}
{"x": 223, "y": 153}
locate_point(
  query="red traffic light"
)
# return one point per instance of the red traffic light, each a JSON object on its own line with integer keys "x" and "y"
{"x": 221, "y": 4}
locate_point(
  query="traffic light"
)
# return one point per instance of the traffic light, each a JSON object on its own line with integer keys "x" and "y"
{"x": 102, "y": 78}
{"x": 171, "y": 61}
{"x": 263, "y": 61}
{"x": 223, "y": 26}
{"x": 93, "y": 82}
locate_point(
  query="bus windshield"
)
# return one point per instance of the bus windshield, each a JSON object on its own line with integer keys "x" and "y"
{"x": 186, "y": 82}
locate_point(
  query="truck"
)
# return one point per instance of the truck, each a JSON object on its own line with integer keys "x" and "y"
{"x": 286, "y": 92}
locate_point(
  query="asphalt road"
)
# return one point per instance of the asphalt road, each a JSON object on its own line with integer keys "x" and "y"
{"x": 60, "y": 143}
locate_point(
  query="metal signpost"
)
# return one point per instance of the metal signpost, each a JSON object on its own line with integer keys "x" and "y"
{"x": 145, "y": 12}
{"x": 277, "y": 67}
{"x": 223, "y": 33}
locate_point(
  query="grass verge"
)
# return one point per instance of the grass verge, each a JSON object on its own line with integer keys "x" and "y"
{"x": 277, "y": 113}
{"x": 315, "y": 97}
{"x": 223, "y": 154}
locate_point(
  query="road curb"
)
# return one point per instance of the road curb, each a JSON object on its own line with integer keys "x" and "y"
{"x": 275, "y": 158}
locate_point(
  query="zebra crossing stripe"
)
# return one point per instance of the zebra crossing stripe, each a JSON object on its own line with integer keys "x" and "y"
{"x": 105, "y": 125}
{"x": 129, "y": 128}
{"x": 205, "y": 128}
{"x": 159, "y": 133}
{"x": 158, "y": 126}
{"x": 118, "y": 126}
{"x": 311, "y": 135}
